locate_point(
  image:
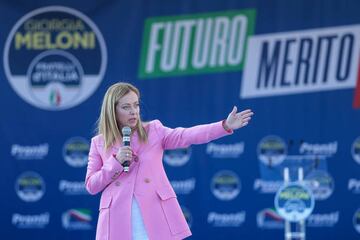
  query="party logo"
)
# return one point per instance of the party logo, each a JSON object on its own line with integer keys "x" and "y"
{"x": 55, "y": 57}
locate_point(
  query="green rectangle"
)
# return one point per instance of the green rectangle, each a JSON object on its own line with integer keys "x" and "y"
{"x": 199, "y": 43}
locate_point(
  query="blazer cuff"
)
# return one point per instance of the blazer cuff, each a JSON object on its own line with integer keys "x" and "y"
{"x": 112, "y": 168}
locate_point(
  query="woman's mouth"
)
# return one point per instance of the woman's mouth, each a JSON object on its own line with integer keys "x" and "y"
{"x": 132, "y": 120}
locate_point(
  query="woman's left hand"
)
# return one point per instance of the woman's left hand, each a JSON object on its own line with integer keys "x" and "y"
{"x": 236, "y": 120}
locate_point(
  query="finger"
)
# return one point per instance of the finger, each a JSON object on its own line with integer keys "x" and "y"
{"x": 234, "y": 110}
{"x": 241, "y": 115}
{"x": 247, "y": 119}
{"x": 127, "y": 157}
{"x": 246, "y": 115}
{"x": 128, "y": 154}
{"x": 128, "y": 148}
{"x": 246, "y": 112}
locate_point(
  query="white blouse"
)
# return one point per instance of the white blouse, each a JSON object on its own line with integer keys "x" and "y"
{"x": 137, "y": 223}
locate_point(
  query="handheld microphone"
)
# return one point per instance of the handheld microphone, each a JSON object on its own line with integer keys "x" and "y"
{"x": 126, "y": 131}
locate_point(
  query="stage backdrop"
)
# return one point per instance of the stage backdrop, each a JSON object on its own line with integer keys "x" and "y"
{"x": 294, "y": 63}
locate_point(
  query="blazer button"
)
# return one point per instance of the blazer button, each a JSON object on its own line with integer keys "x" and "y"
{"x": 146, "y": 180}
{"x": 117, "y": 183}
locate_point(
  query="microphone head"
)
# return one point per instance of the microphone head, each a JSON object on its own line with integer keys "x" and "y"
{"x": 126, "y": 131}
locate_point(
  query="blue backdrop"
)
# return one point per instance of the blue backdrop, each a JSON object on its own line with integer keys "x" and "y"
{"x": 294, "y": 63}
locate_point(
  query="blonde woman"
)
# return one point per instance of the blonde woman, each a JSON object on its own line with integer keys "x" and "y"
{"x": 141, "y": 203}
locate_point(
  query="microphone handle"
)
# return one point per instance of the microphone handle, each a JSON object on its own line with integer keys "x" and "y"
{"x": 126, "y": 164}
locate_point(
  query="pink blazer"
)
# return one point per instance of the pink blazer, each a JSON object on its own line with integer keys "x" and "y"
{"x": 146, "y": 181}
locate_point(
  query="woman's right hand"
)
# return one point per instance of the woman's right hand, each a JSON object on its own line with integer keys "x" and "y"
{"x": 124, "y": 154}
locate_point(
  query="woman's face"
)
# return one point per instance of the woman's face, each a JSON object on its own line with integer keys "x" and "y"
{"x": 127, "y": 110}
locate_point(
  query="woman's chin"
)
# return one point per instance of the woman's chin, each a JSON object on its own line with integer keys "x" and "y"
{"x": 133, "y": 124}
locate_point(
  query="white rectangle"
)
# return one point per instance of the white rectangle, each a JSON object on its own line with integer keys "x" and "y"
{"x": 315, "y": 60}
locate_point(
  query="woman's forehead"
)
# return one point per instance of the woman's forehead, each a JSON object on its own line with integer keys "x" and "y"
{"x": 130, "y": 97}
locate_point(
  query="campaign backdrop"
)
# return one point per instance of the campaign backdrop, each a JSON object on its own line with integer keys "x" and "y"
{"x": 294, "y": 63}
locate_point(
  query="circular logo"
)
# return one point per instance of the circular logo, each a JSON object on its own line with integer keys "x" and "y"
{"x": 355, "y": 150}
{"x": 271, "y": 150}
{"x": 177, "y": 157}
{"x": 225, "y": 185}
{"x": 30, "y": 187}
{"x": 356, "y": 220}
{"x": 320, "y": 183}
{"x": 294, "y": 202}
{"x": 55, "y": 57}
{"x": 76, "y": 152}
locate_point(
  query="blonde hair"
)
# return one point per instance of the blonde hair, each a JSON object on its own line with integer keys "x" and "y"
{"x": 107, "y": 124}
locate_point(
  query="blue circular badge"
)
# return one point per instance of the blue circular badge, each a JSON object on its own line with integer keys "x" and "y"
{"x": 55, "y": 57}
{"x": 272, "y": 150}
{"x": 294, "y": 202}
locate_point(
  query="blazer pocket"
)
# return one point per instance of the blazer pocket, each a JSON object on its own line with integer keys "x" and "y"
{"x": 172, "y": 211}
{"x": 103, "y": 225}
{"x": 105, "y": 202}
{"x": 166, "y": 192}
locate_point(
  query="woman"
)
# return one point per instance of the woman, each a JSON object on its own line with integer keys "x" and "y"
{"x": 141, "y": 204}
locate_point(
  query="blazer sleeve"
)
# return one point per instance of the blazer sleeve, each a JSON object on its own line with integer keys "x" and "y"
{"x": 184, "y": 137}
{"x": 99, "y": 174}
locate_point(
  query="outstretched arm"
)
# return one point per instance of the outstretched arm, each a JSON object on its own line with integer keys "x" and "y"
{"x": 184, "y": 137}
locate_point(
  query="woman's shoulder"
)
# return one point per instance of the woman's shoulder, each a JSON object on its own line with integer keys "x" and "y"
{"x": 153, "y": 126}
{"x": 99, "y": 139}
{"x": 151, "y": 123}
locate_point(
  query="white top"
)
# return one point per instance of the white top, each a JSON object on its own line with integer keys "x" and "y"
{"x": 137, "y": 223}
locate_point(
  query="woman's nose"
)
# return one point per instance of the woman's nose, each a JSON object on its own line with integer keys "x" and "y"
{"x": 133, "y": 110}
